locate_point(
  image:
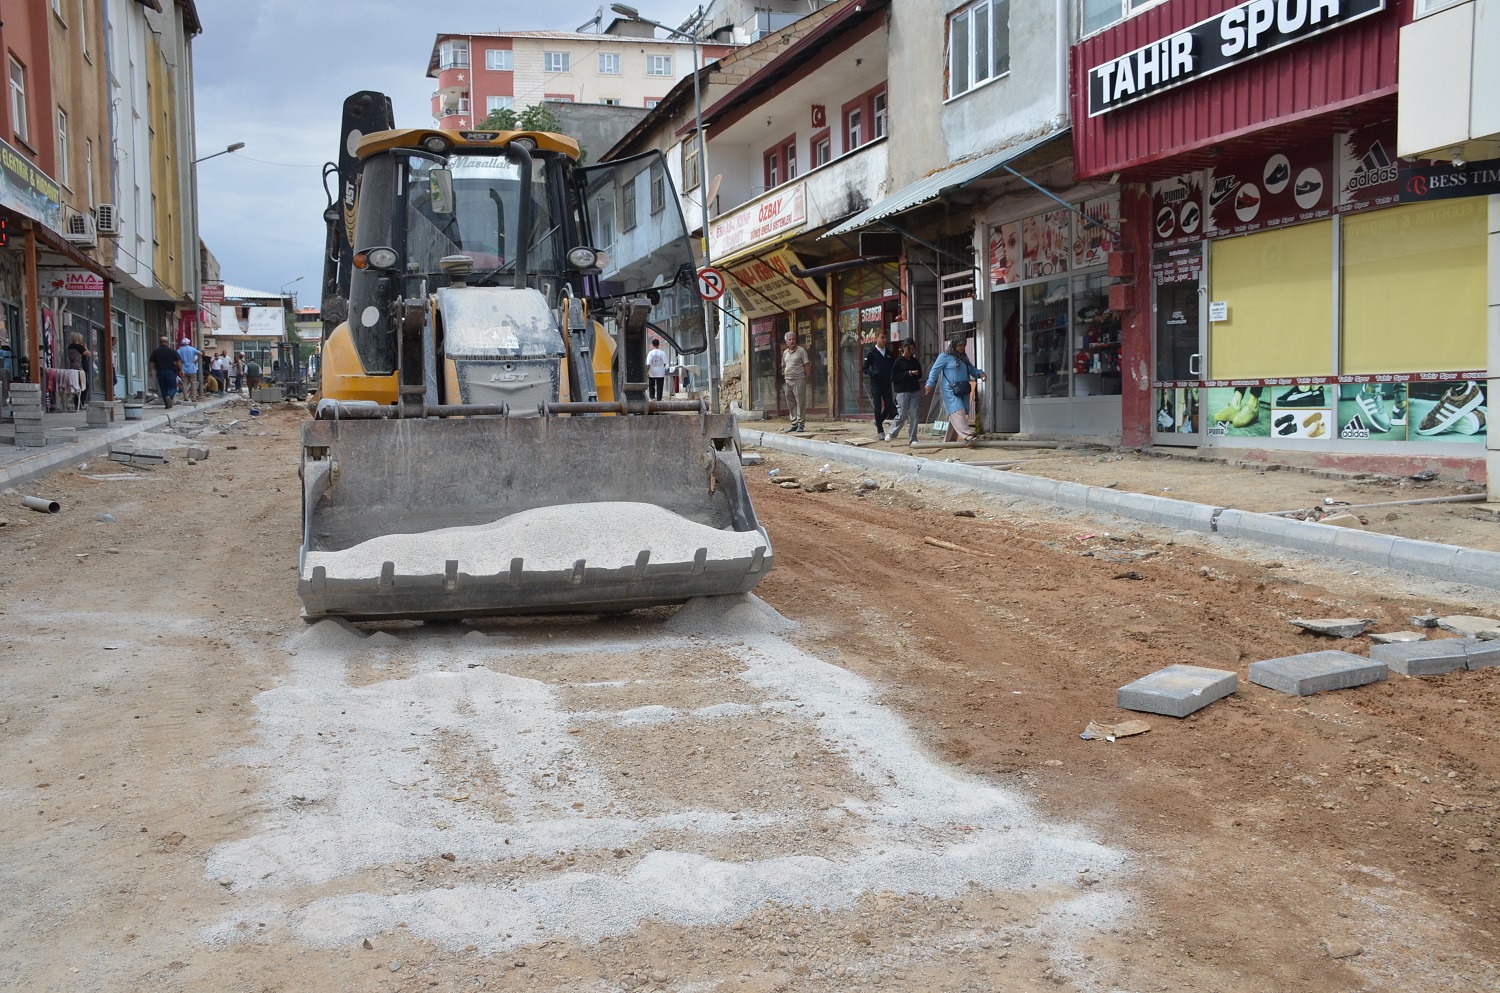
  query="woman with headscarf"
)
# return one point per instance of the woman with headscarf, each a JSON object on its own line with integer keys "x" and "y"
{"x": 953, "y": 372}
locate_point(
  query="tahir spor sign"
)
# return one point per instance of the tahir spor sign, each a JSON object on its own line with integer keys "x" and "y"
{"x": 1238, "y": 34}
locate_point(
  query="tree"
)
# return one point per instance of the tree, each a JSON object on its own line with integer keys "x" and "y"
{"x": 537, "y": 117}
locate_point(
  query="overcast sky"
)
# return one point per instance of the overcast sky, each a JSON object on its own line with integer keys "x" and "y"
{"x": 274, "y": 74}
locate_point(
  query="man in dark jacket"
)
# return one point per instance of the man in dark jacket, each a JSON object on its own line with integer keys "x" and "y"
{"x": 166, "y": 365}
{"x": 880, "y": 363}
{"x": 906, "y": 378}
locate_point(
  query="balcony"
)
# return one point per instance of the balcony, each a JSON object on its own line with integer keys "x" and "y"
{"x": 453, "y": 80}
{"x": 816, "y": 199}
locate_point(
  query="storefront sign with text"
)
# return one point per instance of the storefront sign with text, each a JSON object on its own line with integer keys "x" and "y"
{"x": 759, "y": 221}
{"x": 1241, "y": 33}
{"x": 72, "y": 283}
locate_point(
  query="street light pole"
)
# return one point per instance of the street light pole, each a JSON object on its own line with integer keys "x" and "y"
{"x": 711, "y": 325}
{"x": 232, "y": 148}
{"x": 197, "y": 223}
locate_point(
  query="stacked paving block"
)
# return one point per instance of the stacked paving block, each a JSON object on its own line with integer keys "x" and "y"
{"x": 26, "y": 406}
{"x": 268, "y": 394}
{"x": 99, "y": 414}
{"x": 1318, "y": 672}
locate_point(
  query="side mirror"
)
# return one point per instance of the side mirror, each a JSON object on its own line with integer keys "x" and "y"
{"x": 440, "y": 188}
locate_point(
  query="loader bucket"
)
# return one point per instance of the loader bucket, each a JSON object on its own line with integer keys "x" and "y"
{"x": 369, "y": 484}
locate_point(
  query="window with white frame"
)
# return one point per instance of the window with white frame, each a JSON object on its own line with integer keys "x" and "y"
{"x": 1095, "y": 15}
{"x": 88, "y": 168}
{"x": 658, "y": 65}
{"x": 1425, "y": 7}
{"x": 19, "y": 122}
{"x": 853, "y": 129}
{"x": 62, "y": 148}
{"x": 877, "y": 105}
{"x": 556, "y": 61}
{"x": 978, "y": 45}
{"x": 651, "y": 103}
{"x": 453, "y": 54}
{"x": 609, "y": 101}
{"x": 822, "y": 151}
{"x": 497, "y": 59}
{"x": 492, "y": 104}
{"x": 609, "y": 63}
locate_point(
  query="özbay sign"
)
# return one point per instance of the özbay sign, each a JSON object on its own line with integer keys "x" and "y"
{"x": 1242, "y": 32}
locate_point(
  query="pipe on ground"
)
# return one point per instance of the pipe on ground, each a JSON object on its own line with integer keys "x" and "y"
{"x": 41, "y": 504}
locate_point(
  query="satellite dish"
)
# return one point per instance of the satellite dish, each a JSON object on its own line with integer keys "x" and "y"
{"x": 713, "y": 190}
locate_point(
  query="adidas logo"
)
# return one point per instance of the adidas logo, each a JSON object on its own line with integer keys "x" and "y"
{"x": 1375, "y": 168}
{"x": 1356, "y": 429}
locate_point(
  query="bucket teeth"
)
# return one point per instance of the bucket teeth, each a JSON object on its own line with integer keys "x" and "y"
{"x": 450, "y": 574}
{"x": 641, "y": 561}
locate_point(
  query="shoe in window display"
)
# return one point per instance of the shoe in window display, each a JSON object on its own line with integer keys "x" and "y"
{"x": 1249, "y": 412}
{"x": 1302, "y": 396}
{"x": 1372, "y": 405}
{"x": 1457, "y": 402}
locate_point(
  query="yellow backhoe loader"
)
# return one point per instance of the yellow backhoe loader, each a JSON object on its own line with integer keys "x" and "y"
{"x": 483, "y": 441}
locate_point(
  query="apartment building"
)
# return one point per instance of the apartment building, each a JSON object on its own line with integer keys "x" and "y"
{"x": 624, "y": 65}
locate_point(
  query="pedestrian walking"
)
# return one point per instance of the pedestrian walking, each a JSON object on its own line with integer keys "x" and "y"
{"x": 796, "y": 370}
{"x": 906, "y": 380}
{"x": 880, "y": 361}
{"x": 166, "y": 365}
{"x": 656, "y": 370}
{"x": 953, "y": 372}
{"x": 81, "y": 359}
{"x": 252, "y": 374}
{"x": 239, "y": 372}
{"x": 189, "y": 356}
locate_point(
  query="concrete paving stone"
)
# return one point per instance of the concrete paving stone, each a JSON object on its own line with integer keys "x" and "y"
{"x": 1423, "y": 658}
{"x": 1467, "y": 625}
{"x": 1335, "y": 627}
{"x": 1427, "y": 620}
{"x": 1316, "y": 672}
{"x": 1477, "y": 566}
{"x": 1177, "y": 690}
{"x": 1482, "y": 654}
{"x": 1364, "y": 546}
{"x": 1396, "y": 637}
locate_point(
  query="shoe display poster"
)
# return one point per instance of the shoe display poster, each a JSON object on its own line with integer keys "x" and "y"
{"x": 1373, "y": 412}
{"x": 1177, "y": 409}
{"x": 1239, "y": 411}
{"x": 1280, "y": 186}
{"x": 1447, "y": 412}
{"x": 1177, "y": 210}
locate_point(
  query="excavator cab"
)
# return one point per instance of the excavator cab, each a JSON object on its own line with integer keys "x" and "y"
{"x": 484, "y": 376}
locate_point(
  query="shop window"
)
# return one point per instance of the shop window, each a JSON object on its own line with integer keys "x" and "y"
{"x": 555, "y": 62}
{"x": 978, "y": 45}
{"x": 1045, "y": 349}
{"x": 867, "y": 302}
{"x": 1413, "y": 288}
{"x": 1096, "y": 337}
{"x": 811, "y": 325}
{"x": 497, "y": 59}
{"x": 1278, "y": 286}
{"x": 609, "y": 63}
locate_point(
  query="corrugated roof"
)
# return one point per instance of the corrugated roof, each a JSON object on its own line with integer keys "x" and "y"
{"x": 232, "y": 292}
{"x": 933, "y": 186}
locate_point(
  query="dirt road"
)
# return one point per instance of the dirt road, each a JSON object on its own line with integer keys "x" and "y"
{"x": 202, "y": 793}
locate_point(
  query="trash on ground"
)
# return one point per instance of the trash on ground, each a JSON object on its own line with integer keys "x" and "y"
{"x": 1109, "y": 732}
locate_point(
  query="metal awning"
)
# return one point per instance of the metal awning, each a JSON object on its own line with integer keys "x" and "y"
{"x": 933, "y": 186}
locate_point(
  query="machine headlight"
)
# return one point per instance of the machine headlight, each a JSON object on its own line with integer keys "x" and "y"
{"x": 583, "y": 258}
{"x": 436, "y": 143}
{"x": 525, "y": 143}
{"x": 382, "y": 258}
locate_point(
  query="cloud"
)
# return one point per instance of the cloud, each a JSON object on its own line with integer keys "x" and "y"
{"x": 274, "y": 74}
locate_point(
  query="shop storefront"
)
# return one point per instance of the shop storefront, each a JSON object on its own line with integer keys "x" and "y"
{"x": 1293, "y": 283}
{"x": 1058, "y": 340}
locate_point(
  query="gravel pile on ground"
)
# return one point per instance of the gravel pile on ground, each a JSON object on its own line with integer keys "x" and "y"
{"x": 605, "y": 535}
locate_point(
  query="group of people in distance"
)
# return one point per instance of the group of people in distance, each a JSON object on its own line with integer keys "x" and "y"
{"x": 896, "y": 385}
{"x": 182, "y": 370}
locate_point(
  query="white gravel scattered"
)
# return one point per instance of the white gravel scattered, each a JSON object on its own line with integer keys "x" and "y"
{"x": 547, "y": 539}
{"x": 352, "y": 791}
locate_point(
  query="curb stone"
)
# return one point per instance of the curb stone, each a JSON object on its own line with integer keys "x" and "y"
{"x": 94, "y": 443}
{"x": 1430, "y": 559}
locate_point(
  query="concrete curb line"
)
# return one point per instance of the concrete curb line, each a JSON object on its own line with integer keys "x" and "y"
{"x": 87, "y": 446}
{"x": 1430, "y": 559}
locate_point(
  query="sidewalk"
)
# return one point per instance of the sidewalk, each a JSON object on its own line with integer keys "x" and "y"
{"x": 1451, "y": 541}
{"x": 21, "y": 465}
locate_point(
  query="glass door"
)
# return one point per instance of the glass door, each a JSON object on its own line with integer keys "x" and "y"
{"x": 1176, "y": 387}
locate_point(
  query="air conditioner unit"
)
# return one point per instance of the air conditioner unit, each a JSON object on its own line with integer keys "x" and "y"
{"x": 107, "y": 219}
{"x": 81, "y": 230}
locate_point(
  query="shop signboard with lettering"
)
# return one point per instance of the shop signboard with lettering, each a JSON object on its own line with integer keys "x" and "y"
{"x": 1425, "y": 181}
{"x": 76, "y": 283}
{"x": 774, "y": 216}
{"x": 765, "y": 285}
{"x": 1367, "y": 168}
{"x": 264, "y": 322}
{"x": 27, "y": 190}
{"x": 1177, "y": 209}
{"x": 1243, "y": 32}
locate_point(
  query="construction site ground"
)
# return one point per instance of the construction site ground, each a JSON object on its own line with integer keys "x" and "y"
{"x": 201, "y": 792}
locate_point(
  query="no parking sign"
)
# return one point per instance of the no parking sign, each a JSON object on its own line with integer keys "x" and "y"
{"x": 710, "y": 283}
